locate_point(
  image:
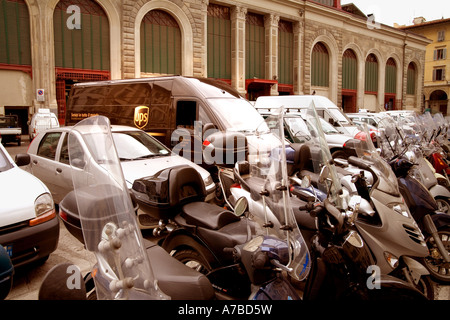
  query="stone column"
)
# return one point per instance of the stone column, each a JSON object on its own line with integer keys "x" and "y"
{"x": 43, "y": 55}
{"x": 271, "y": 62}
{"x": 298, "y": 58}
{"x": 238, "y": 15}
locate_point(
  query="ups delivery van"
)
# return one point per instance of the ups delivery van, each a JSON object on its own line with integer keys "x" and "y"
{"x": 171, "y": 108}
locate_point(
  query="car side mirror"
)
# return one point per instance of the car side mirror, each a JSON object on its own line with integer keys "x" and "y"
{"x": 22, "y": 159}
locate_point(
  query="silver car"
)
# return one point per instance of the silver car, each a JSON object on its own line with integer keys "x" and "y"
{"x": 141, "y": 155}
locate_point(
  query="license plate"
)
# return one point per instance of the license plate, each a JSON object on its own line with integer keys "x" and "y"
{"x": 8, "y": 249}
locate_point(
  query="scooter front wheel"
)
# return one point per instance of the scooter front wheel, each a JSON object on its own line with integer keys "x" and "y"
{"x": 443, "y": 205}
{"x": 438, "y": 267}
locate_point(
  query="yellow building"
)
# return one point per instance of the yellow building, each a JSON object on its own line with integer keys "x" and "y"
{"x": 437, "y": 63}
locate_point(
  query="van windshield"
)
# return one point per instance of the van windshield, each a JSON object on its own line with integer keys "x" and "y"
{"x": 342, "y": 118}
{"x": 237, "y": 114}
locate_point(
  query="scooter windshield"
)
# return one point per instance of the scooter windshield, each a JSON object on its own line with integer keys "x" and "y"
{"x": 268, "y": 163}
{"x": 387, "y": 180}
{"x": 107, "y": 217}
{"x": 323, "y": 163}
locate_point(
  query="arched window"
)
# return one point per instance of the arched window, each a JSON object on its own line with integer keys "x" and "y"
{"x": 391, "y": 76}
{"x": 85, "y": 46}
{"x": 320, "y": 65}
{"x": 14, "y": 33}
{"x": 160, "y": 43}
{"x": 411, "y": 79}
{"x": 371, "y": 79}
{"x": 219, "y": 42}
{"x": 349, "y": 70}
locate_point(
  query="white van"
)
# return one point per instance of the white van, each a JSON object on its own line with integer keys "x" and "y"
{"x": 42, "y": 120}
{"x": 324, "y": 106}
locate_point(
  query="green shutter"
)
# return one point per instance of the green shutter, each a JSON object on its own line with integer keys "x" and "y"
{"x": 255, "y": 47}
{"x": 86, "y": 48}
{"x": 285, "y": 55}
{"x": 14, "y": 33}
{"x": 160, "y": 44}
{"x": 219, "y": 47}
{"x": 349, "y": 71}
{"x": 411, "y": 80}
{"x": 391, "y": 78}
{"x": 371, "y": 78}
{"x": 320, "y": 66}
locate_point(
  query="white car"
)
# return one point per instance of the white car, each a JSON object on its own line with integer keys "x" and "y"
{"x": 29, "y": 227}
{"x": 141, "y": 155}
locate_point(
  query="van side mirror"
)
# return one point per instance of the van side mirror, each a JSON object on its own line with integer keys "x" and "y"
{"x": 209, "y": 127}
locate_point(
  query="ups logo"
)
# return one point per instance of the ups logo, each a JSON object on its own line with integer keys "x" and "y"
{"x": 141, "y": 116}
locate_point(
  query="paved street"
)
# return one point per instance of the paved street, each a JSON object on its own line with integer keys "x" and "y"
{"x": 27, "y": 280}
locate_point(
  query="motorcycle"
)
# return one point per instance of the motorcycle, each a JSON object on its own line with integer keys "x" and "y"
{"x": 408, "y": 165}
{"x": 129, "y": 267}
{"x": 340, "y": 257}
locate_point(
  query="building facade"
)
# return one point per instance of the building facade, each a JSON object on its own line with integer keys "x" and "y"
{"x": 260, "y": 47}
{"x": 437, "y": 63}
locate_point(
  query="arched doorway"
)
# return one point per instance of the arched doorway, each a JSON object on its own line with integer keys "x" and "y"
{"x": 438, "y": 102}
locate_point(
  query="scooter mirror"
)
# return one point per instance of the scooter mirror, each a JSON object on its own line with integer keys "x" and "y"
{"x": 241, "y": 206}
{"x": 306, "y": 181}
{"x": 324, "y": 174}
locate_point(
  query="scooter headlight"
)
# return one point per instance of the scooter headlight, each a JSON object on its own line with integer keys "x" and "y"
{"x": 391, "y": 259}
{"x": 400, "y": 208}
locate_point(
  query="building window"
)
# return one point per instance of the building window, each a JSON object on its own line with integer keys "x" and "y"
{"x": 14, "y": 33}
{"x": 86, "y": 47}
{"x": 441, "y": 36}
{"x": 160, "y": 43}
{"x": 349, "y": 70}
{"x": 440, "y": 54}
{"x": 371, "y": 79}
{"x": 391, "y": 76}
{"x": 411, "y": 79}
{"x": 320, "y": 65}
{"x": 439, "y": 74}
{"x": 285, "y": 52}
{"x": 219, "y": 42}
{"x": 325, "y": 2}
{"x": 255, "y": 46}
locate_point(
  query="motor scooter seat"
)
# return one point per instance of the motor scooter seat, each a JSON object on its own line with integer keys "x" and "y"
{"x": 207, "y": 215}
{"x": 176, "y": 279}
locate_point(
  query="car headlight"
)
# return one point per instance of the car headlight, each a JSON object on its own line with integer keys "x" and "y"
{"x": 44, "y": 208}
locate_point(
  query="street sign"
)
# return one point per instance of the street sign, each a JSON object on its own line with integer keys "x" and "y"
{"x": 40, "y": 95}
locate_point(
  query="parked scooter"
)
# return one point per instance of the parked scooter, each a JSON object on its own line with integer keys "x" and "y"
{"x": 340, "y": 257}
{"x": 407, "y": 164}
{"x": 129, "y": 267}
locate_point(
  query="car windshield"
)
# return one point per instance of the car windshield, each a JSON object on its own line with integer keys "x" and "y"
{"x": 237, "y": 114}
{"x": 5, "y": 164}
{"x": 298, "y": 129}
{"x": 135, "y": 145}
